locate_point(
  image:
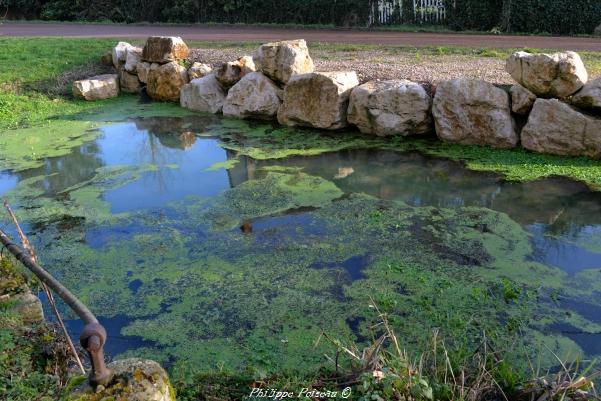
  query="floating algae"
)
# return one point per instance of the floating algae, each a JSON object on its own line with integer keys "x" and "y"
{"x": 84, "y": 200}
{"x": 263, "y": 141}
{"x": 209, "y": 295}
{"x": 251, "y": 276}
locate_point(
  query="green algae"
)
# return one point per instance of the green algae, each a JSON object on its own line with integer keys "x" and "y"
{"x": 226, "y": 165}
{"x": 213, "y": 296}
{"x": 223, "y": 299}
{"x": 268, "y": 141}
{"x": 275, "y": 193}
{"x": 82, "y": 201}
{"x": 26, "y": 148}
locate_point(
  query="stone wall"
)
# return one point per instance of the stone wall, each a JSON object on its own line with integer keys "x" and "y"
{"x": 558, "y": 108}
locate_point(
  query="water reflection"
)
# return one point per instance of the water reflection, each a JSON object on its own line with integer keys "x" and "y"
{"x": 563, "y": 216}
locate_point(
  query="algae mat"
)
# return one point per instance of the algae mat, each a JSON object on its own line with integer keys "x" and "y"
{"x": 213, "y": 243}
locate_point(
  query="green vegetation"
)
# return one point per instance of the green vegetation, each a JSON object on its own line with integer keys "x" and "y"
{"x": 258, "y": 304}
{"x": 266, "y": 141}
{"x": 534, "y": 16}
{"x": 33, "y": 360}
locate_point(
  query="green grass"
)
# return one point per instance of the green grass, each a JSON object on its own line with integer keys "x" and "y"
{"x": 30, "y": 75}
{"x": 33, "y": 363}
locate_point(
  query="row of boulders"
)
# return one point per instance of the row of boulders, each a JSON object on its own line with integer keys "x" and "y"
{"x": 279, "y": 82}
{"x": 560, "y": 103}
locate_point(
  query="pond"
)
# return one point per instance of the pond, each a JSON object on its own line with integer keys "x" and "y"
{"x": 193, "y": 252}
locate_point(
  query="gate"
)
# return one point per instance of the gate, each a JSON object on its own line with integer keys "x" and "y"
{"x": 390, "y": 12}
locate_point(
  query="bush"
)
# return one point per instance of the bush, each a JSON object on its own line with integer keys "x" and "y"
{"x": 526, "y": 16}
{"x": 480, "y": 15}
{"x": 534, "y": 16}
{"x": 554, "y": 16}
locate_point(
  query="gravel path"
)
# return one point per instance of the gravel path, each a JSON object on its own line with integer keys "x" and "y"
{"x": 383, "y": 65}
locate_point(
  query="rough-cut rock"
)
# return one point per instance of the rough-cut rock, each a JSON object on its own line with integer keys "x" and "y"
{"x": 281, "y": 60}
{"x": 254, "y": 96}
{"x": 394, "y": 107}
{"x": 318, "y": 99}
{"x": 548, "y": 75}
{"x": 473, "y": 112}
{"x": 522, "y": 100}
{"x": 119, "y": 53}
{"x": 132, "y": 58}
{"x": 597, "y": 31}
{"x": 97, "y": 88}
{"x": 143, "y": 69}
{"x": 134, "y": 380}
{"x": 557, "y": 128}
{"x": 164, "y": 49}
{"x": 203, "y": 94}
{"x": 166, "y": 81}
{"x": 129, "y": 82}
{"x": 107, "y": 58}
{"x": 232, "y": 72}
{"x": 198, "y": 70}
{"x": 589, "y": 96}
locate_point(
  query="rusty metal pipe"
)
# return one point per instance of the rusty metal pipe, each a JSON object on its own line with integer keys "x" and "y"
{"x": 93, "y": 336}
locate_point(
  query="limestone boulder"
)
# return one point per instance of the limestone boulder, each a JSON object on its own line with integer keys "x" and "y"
{"x": 119, "y": 54}
{"x": 133, "y": 380}
{"x": 97, "y": 88}
{"x": 164, "y": 49}
{"x": 281, "y": 60}
{"x": 143, "y": 69}
{"x": 198, "y": 70}
{"x": 473, "y": 112}
{"x": 232, "y": 72}
{"x": 132, "y": 58}
{"x": 589, "y": 96}
{"x": 393, "y": 107}
{"x": 522, "y": 100}
{"x": 254, "y": 96}
{"x": 318, "y": 99}
{"x": 166, "y": 81}
{"x": 548, "y": 75}
{"x": 203, "y": 94}
{"x": 129, "y": 82}
{"x": 557, "y": 128}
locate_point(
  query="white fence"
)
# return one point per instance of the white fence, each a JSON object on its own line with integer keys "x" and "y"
{"x": 387, "y": 12}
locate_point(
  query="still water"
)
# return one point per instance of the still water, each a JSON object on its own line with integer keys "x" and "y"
{"x": 193, "y": 253}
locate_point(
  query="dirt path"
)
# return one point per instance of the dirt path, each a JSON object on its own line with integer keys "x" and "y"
{"x": 217, "y": 33}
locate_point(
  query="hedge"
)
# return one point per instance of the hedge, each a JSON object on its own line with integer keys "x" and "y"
{"x": 554, "y": 16}
{"x": 528, "y": 16}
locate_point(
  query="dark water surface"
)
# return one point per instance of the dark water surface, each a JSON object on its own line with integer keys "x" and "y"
{"x": 561, "y": 217}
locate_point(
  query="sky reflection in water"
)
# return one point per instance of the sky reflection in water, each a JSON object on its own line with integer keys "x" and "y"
{"x": 561, "y": 215}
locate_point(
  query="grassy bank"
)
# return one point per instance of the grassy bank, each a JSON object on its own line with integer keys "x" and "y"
{"x": 34, "y": 360}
